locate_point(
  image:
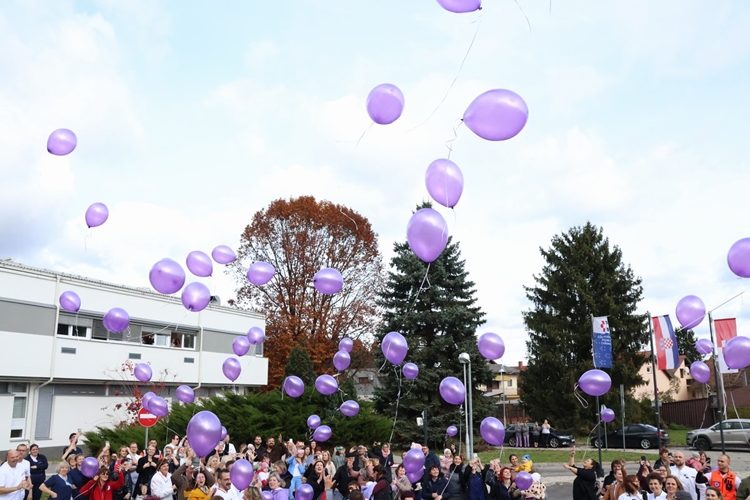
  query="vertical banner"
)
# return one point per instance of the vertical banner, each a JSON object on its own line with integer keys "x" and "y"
{"x": 602, "y": 342}
{"x": 667, "y": 355}
{"x": 726, "y": 329}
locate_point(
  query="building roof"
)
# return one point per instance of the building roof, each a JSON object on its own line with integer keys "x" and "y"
{"x": 510, "y": 370}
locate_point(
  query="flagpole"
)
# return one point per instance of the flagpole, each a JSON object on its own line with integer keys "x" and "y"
{"x": 656, "y": 387}
{"x": 719, "y": 382}
{"x": 598, "y": 408}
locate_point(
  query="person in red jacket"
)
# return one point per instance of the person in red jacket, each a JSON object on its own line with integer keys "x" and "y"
{"x": 100, "y": 487}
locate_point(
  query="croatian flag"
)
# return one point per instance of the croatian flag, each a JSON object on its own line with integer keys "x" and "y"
{"x": 667, "y": 356}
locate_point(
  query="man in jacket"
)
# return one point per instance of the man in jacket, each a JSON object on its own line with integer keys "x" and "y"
{"x": 725, "y": 480}
{"x": 430, "y": 458}
{"x": 435, "y": 486}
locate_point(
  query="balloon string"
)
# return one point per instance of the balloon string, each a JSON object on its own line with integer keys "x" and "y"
{"x": 579, "y": 397}
{"x": 363, "y": 134}
{"x": 398, "y": 400}
{"x": 478, "y": 22}
{"x": 527, "y": 17}
{"x": 449, "y": 142}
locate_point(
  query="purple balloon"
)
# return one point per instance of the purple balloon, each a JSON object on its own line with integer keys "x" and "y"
{"x": 452, "y": 390}
{"x": 415, "y": 476}
{"x": 255, "y": 335}
{"x": 414, "y": 460}
{"x": 738, "y": 258}
{"x": 96, "y": 215}
{"x": 690, "y": 311}
{"x": 460, "y": 6}
{"x": 444, "y": 182}
{"x": 313, "y": 422}
{"x": 185, "y": 394}
{"x": 608, "y": 415}
{"x": 266, "y": 495}
{"x": 595, "y": 382}
{"x": 427, "y": 234}
{"x": 62, "y": 142}
{"x": 304, "y": 492}
{"x": 394, "y": 348}
{"x": 240, "y": 346}
{"x": 524, "y": 480}
{"x": 326, "y": 385}
{"x": 167, "y": 276}
{"x": 385, "y": 103}
{"x": 700, "y": 371}
{"x": 146, "y": 400}
{"x": 410, "y": 371}
{"x": 241, "y": 474}
{"x": 737, "y": 352}
{"x": 349, "y": 408}
{"x": 341, "y": 360}
{"x": 89, "y": 466}
{"x": 204, "y": 432}
{"x": 223, "y": 433}
{"x": 491, "y": 346}
{"x": 497, "y": 115}
{"x": 70, "y": 301}
{"x": 116, "y": 320}
{"x": 346, "y": 344}
{"x": 199, "y": 263}
{"x": 294, "y": 386}
{"x": 195, "y": 297}
{"x": 492, "y": 431}
{"x": 322, "y": 433}
{"x": 158, "y": 406}
{"x": 704, "y": 346}
{"x": 231, "y": 368}
{"x": 451, "y": 430}
{"x": 328, "y": 281}
{"x": 143, "y": 372}
{"x": 260, "y": 273}
{"x": 222, "y": 254}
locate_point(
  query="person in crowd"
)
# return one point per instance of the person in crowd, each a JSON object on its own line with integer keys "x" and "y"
{"x": 525, "y": 433}
{"x": 671, "y": 486}
{"x": 584, "y": 485}
{"x": 687, "y": 475}
{"x": 713, "y": 494}
{"x": 315, "y": 477}
{"x": 58, "y": 486}
{"x": 694, "y": 461}
{"x": 535, "y": 432}
{"x": 401, "y": 482}
{"x": 655, "y": 486}
{"x": 430, "y": 458}
{"x": 384, "y": 458}
{"x": 446, "y": 461}
{"x": 632, "y": 488}
{"x": 545, "y": 432}
{"x": 456, "y": 477}
{"x": 723, "y": 479}
{"x": 37, "y": 469}
{"x": 147, "y": 466}
{"x": 14, "y": 484}
{"x": 504, "y": 487}
{"x": 615, "y": 466}
{"x": 224, "y": 488}
{"x": 100, "y": 487}
{"x": 339, "y": 457}
{"x": 643, "y": 472}
{"x": 197, "y": 487}
{"x": 73, "y": 448}
{"x": 277, "y": 487}
{"x": 617, "y": 487}
{"x": 435, "y": 486}
{"x": 213, "y": 463}
{"x": 24, "y": 464}
{"x": 382, "y": 488}
{"x": 473, "y": 479}
{"x": 174, "y": 443}
{"x": 705, "y": 463}
{"x": 161, "y": 482}
{"x": 665, "y": 458}
{"x": 296, "y": 467}
{"x": 519, "y": 436}
{"x": 345, "y": 475}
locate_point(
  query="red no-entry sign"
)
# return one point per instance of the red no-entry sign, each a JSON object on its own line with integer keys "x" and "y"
{"x": 146, "y": 418}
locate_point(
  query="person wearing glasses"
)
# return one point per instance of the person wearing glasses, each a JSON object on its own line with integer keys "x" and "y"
{"x": 101, "y": 486}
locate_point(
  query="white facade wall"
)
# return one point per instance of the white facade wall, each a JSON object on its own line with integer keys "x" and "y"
{"x": 45, "y": 359}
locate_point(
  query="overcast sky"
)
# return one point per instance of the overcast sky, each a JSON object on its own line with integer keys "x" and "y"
{"x": 191, "y": 116}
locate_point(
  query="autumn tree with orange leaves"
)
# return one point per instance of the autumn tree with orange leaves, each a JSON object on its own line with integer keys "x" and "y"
{"x": 299, "y": 237}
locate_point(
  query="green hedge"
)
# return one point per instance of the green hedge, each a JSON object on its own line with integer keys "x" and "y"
{"x": 268, "y": 414}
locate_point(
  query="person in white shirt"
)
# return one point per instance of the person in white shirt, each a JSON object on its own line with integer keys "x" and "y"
{"x": 687, "y": 475}
{"x": 161, "y": 483}
{"x": 224, "y": 487}
{"x": 13, "y": 484}
{"x": 655, "y": 485}
{"x": 24, "y": 464}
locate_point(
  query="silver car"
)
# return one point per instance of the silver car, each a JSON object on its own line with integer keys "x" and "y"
{"x": 736, "y": 435}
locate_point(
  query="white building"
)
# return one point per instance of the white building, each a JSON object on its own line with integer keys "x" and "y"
{"x": 63, "y": 371}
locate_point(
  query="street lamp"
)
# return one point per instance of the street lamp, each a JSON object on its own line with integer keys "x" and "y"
{"x": 465, "y": 360}
{"x": 502, "y": 396}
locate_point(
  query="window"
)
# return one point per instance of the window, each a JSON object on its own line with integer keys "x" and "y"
{"x": 74, "y": 326}
{"x": 510, "y": 382}
{"x": 682, "y": 373}
{"x": 18, "y": 417}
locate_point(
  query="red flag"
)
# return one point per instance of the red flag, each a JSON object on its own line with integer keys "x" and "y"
{"x": 726, "y": 329}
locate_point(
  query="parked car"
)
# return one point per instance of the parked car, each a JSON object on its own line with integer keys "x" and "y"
{"x": 636, "y": 436}
{"x": 556, "y": 438}
{"x": 736, "y": 435}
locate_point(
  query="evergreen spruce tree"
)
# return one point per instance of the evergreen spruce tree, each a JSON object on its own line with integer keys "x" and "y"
{"x": 300, "y": 364}
{"x": 686, "y": 340}
{"x": 439, "y": 321}
{"x": 583, "y": 276}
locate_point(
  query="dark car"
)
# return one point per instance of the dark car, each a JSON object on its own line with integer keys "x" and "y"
{"x": 556, "y": 438}
{"x": 636, "y": 436}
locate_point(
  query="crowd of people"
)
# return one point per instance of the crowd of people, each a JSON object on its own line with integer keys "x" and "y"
{"x": 281, "y": 467}
{"x": 672, "y": 477}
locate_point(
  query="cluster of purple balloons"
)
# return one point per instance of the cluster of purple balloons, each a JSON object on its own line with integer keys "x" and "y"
{"x": 154, "y": 404}
{"x": 413, "y": 463}
{"x": 241, "y": 345}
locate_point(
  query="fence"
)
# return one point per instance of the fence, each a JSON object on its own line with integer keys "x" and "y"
{"x": 694, "y": 413}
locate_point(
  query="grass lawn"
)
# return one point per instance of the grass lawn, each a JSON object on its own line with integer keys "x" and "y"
{"x": 562, "y": 455}
{"x": 677, "y": 437}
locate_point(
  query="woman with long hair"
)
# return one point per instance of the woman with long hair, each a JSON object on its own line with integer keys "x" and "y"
{"x": 672, "y": 485}
{"x": 277, "y": 487}
{"x": 504, "y": 487}
{"x": 616, "y": 488}
{"x": 198, "y": 487}
{"x": 632, "y": 488}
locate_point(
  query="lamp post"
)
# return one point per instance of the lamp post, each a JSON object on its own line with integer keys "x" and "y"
{"x": 502, "y": 396}
{"x": 465, "y": 360}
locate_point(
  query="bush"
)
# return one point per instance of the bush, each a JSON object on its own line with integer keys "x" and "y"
{"x": 268, "y": 414}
